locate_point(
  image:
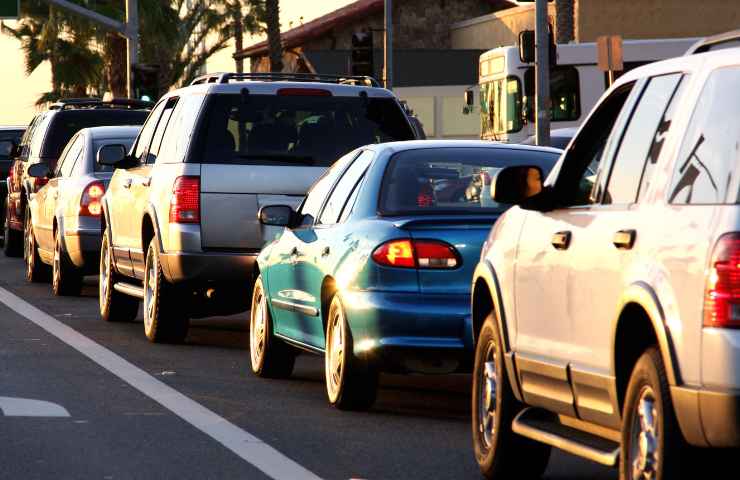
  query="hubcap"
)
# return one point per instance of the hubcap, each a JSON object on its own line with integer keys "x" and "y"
{"x": 104, "y": 273}
{"x": 487, "y": 391}
{"x": 57, "y": 263}
{"x": 257, "y": 331}
{"x": 644, "y": 457}
{"x": 334, "y": 360}
{"x": 150, "y": 290}
{"x": 28, "y": 250}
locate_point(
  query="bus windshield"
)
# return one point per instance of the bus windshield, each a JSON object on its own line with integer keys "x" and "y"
{"x": 501, "y": 106}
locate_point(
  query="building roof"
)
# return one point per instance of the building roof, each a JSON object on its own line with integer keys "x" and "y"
{"x": 322, "y": 25}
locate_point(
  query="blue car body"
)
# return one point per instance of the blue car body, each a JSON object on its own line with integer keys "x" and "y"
{"x": 401, "y": 319}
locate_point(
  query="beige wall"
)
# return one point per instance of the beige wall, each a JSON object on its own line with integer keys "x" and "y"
{"x": 496, "y": 29}
{"x": 655, "y": 18}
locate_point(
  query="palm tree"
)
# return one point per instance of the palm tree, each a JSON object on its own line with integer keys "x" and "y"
{"x": 565, "y": 20}
{"x": 272, "y": 19}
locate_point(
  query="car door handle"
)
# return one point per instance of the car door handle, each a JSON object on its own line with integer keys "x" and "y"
{"x": 624, "y": 239}
{"x": 127, "y": 183}
{"x": 146, "y": 182}
{"x": 294, "y": 252}
{"x": 325, "y": 251}
{"x": 561, "y": 240}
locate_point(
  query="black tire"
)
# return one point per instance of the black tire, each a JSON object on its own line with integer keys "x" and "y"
{"x": 114, "y": 306}
{"x": 12, "y": 239}
{"x": 36, "y": 270}
{"x": 164, "y": 318}
{"x": 652, "y": 444}
{"x": 500, "y": 453}
{"x": 269, "y": 356}
{"x": 66, "y": 279}
{"x": 351, "y": 383}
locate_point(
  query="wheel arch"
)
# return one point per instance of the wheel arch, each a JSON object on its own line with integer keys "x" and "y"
{"x": 328, "y": 289}
{"x": 150, "y": 229}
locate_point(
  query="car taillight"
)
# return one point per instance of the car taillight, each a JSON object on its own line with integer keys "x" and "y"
{"x": 185, "y": 200}
{"x": 38, "y": 183}
{"x": 304, "y": 92}
{"x": 422, "y": 254}
{"x": 91, "y": 200}
{"x": 722, "y": 292}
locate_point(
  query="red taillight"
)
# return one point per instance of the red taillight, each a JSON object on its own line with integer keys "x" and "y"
{"x": 91, "y": 201}
{"x": 185, "y": 201}
{"x": 38, "y": 183}
{"x": 304, "y": 92}
{"x": 722, "y": 292}
{"x": 423, "y": 254}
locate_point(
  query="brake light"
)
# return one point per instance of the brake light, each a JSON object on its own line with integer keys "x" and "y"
{"x": 422, "y": 254}
{"x": 91, "y": 201}
{"x": 722, "y": 292}
{"x": 304, "y": 92}
{"x": 38, "y": 182}
{"x": 185, "y": 200}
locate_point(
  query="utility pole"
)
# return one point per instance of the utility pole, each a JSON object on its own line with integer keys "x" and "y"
{"x": 542, "y": 68}
{"x": 388, "y": 45}
{"x": 128, "y": 30}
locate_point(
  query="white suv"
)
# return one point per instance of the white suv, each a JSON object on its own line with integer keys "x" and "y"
{"x": 606, "y": 308}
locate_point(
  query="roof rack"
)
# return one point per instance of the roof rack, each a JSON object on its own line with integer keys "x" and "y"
{"x": 92, "y": 103}
{"x": 293, "y": 77}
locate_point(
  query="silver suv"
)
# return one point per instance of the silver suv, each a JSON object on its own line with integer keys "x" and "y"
{"x": 180, "y": 215}
{"x": 606, "y": 308}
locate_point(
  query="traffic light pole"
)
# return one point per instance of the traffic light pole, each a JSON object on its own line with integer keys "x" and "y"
{"x": 542, "y": 67}
{"x": 388, "y": 45}
{"x": 128, "y": 30}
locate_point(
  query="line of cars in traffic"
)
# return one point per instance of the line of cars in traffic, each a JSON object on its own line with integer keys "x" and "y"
{"x": 602, "y": 314}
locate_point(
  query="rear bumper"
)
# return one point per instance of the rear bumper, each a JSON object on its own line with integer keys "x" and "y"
{"x": 83, "y": 248}
{"x": 208, "y": 266}
{"x": 411, "y": 332}
{"x": 708, "y": 418}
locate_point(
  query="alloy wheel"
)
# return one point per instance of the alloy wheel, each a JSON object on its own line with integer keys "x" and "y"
{"x": 104, "y": 271}
{"x": 56, "y": 264}
{"x": 257, "y": 331}
{"x": 150, "y": 290}
{"x": 334, "y": 360}
{"x": 487, "y": 393}
{"x": 644, "y": 458}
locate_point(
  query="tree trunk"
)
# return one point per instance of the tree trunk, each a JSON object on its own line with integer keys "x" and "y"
{"x": 238, "y": 35}
{"x": 272, "y": 15}
{"x": 565, "y": 20}
{"x": 115, "y": 67}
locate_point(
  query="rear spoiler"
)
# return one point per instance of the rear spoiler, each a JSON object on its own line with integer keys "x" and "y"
{"x": 457, "y": 220}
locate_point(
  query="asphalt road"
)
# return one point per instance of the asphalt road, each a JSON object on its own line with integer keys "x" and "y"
{"x": 419, "y": 427}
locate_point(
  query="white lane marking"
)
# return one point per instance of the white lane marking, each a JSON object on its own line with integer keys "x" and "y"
{"x": 248, "y": 447}
{"x": 28, "y": 407}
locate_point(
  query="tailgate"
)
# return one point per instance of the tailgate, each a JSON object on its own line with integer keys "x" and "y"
{"x": 231, "y": 196}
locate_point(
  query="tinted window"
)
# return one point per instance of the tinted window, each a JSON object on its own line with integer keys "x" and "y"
{"x": 180, "y": 129}
{"x": 70, "y": 156}
{"x": 638, "y": 139}
{"x": 297, "y": 129}
{"x": 147, "y": 131}
{"x": 344, "y": 187}
{"x": 565, "y": 93}
{"x": 161, "y": 128}
{"x": 39, "y": 132}
{"x": 97, "y": 144}
{"x": 319, "y": 190}
{"x": 66, "y": 123}
{"x": 709, "y": 155}
{"x": 451, "y": 179}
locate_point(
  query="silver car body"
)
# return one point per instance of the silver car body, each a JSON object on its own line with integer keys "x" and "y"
{"x": 57, "y": 204}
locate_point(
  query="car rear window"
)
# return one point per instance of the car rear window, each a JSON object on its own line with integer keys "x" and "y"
{"x": 65, "y": 124}
{"x": 297, "y": 129}
{"x": 451, "y": 180}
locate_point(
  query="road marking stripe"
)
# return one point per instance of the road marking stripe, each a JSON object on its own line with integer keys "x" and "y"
{"x": 28, "y": 407}
{"x": 248, "y": 447}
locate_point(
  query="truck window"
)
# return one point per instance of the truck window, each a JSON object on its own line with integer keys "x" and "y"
{"x": 501, "y": 106}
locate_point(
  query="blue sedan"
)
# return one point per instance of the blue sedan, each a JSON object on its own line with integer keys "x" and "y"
{"x": 373, "y": 271}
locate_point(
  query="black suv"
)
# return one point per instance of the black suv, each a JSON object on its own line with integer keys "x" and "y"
{"x": 44, "y": 141}
{"x": 10, "y": 137}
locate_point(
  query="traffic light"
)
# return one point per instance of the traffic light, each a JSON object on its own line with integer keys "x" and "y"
{"x": 362, "y": 54}
{"x": 527, "y": 47}
{"x": 146, "y": 82}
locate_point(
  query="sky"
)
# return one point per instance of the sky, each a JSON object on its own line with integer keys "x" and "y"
{"x": 19, "y": 92}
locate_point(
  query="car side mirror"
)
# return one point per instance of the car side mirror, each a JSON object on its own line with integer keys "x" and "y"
{"x": 512, "y": 185}
{"x": 39, "y": 170}
{"x": 111, "y": 155}
{"x": 276, "y": 215}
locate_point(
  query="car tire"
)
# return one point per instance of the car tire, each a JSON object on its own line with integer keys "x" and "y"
{"x": 36, "y": 270}
{"x": 652, "y": 445}
{"x": 269, "y": 356}
{"x": 164, "y": 319}
{"x": 12, "y": 239}
{"x": 499, "y": 451}
{"x": 66, "y": 279}
{"x": 351, "y": 383}
{"x": 114, "y": 306}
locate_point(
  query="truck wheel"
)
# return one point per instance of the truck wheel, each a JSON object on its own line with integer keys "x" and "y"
{"x": 114, "y": 306}
{"x": 65, "y": 278}
{"x": 351, "y": 384}
{"x": 652, "y": 444}
{"x": 270, "y": 357}
{"x": 500, "y": 452}
{"x": 164, "y": 319}
{"x": 36, "y": 270}
{"x": 12, "y": 239}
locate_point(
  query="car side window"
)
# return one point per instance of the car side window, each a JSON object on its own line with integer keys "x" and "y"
{"x": 147, "y": 132}
{"x": 343, "y": 189}
{"x": 317, "y": 194}
{"x": 637, "y": 140}
{"x": 160, "y": 130}
{"x": 706, "y": 166}
{"x": 39, "y": 132}
{"x": 350, "y": 205}
{"x": 578, "y": 174}
{"x": 69, "y": 157}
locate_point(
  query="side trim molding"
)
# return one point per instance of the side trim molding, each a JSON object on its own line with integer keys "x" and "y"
{"x": 295, "y": 307}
